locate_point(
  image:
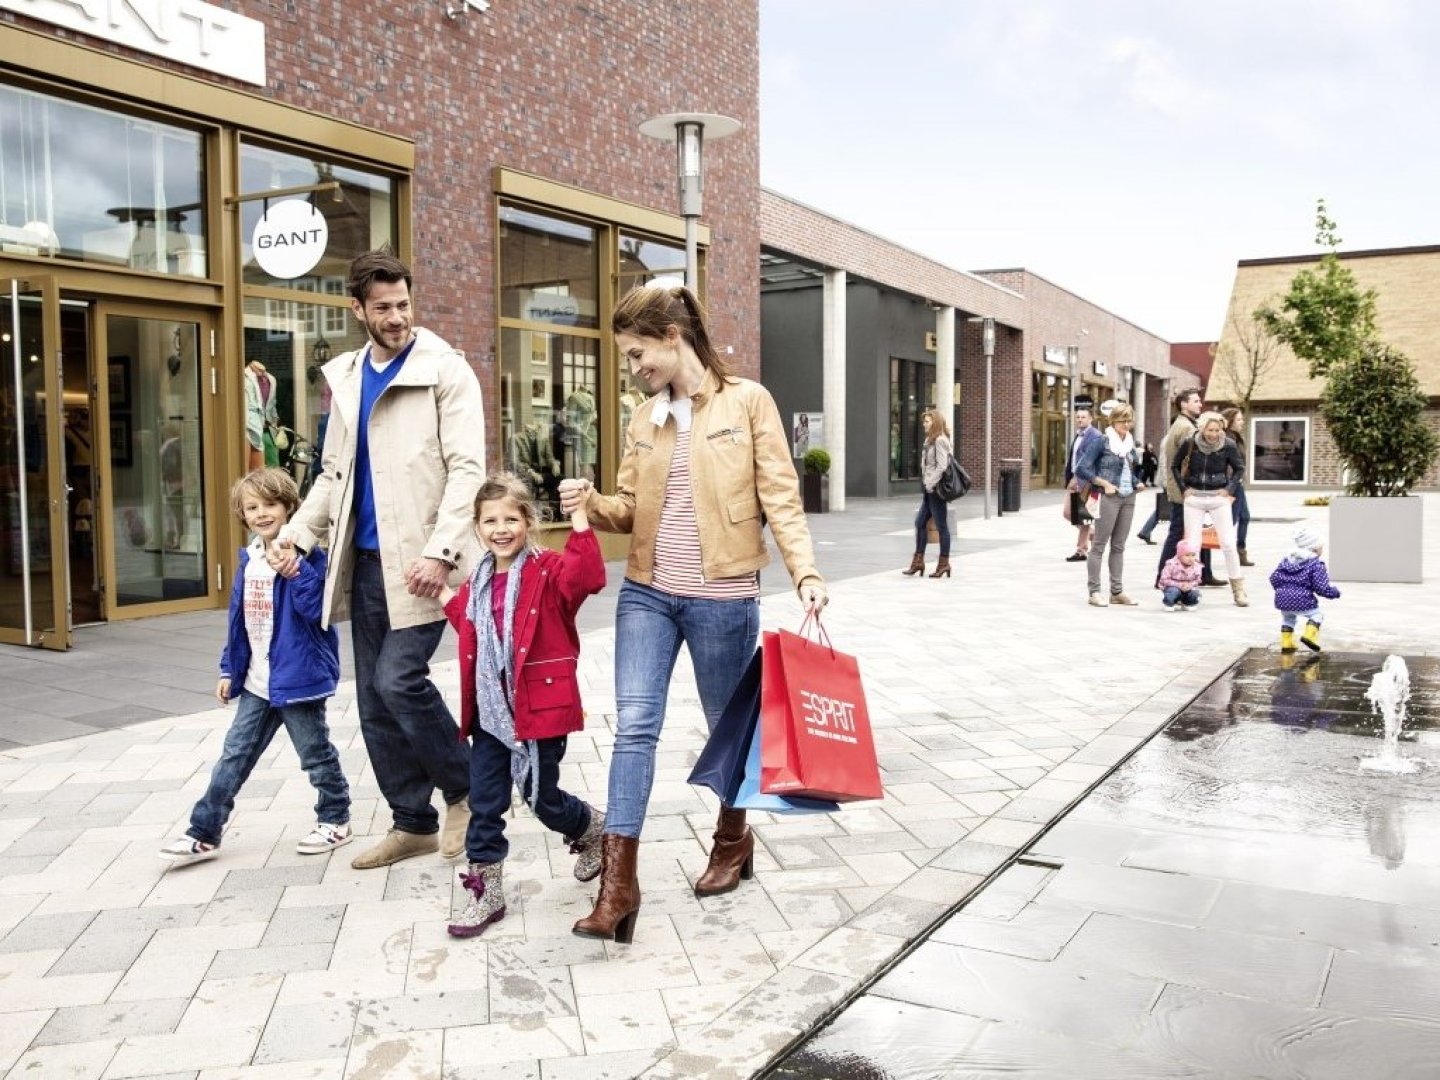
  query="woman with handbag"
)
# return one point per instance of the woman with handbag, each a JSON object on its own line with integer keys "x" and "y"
{"x": 1111, "y": 466}
{"x": 1207, "y": 469}
{"x": 934, "y": 459}
{"x": 706, "y": 461}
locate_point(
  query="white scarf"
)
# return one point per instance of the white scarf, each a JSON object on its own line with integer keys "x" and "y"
{"x": 1121, "y": 448}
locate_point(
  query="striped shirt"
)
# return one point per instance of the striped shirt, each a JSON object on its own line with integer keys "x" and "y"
{"x": 678, "y": 568}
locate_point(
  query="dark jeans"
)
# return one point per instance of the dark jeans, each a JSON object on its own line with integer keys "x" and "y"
{"x": 1150, "y": 523}
{"x": 1240, "y": 514}
{"x": 413, "y": 741}
{"x": 933, "y": 508}
{"x": 255, "y": 724}
{"x": 490, "y": 784}
{"x": 1187, "y": 597}
{"x": 1172, "y": 541}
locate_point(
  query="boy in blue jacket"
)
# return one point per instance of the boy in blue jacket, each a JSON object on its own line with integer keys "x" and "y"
{"x": 282, "y": 665}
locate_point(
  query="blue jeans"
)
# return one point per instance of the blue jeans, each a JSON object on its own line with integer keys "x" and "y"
{"x": 413, "y": 741}
{"x": 1240, "y": 515}
{"x": 490, "y": 784}
{"x": 933, "y": 508}
{"x": 255, "y": 724}
{"x": 650, "y": 626}
{"x": 1172, "y": 594}
{"x": 1289, "y": 618}
{"x": 1150, "y": 523}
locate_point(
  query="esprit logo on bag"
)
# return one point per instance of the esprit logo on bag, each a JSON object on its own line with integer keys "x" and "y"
{"x": 827, "y": 717}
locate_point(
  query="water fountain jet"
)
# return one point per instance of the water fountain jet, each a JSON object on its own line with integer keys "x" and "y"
{"x": 1388, "y": 695}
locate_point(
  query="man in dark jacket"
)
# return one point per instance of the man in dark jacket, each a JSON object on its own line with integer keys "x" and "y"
{"x": 1076, "y": 514}
{"x": 1188, "y": 406}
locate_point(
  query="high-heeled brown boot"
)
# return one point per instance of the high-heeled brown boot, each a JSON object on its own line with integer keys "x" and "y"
{"x": 942, "y": 568}
{"x": 917, "y": 565}
{"x": 619, "y": 901}
{"x": 1244, "y": 558}
{"x": 732, "y": 857}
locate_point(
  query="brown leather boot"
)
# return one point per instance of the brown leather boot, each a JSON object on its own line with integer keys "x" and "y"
{"x": 732, "y": 856}
{"x": 1244, "y": 558}
{"x": 619, "y": 901}
{"x": 917, "y": 565}
{"x": 942, "y": 568}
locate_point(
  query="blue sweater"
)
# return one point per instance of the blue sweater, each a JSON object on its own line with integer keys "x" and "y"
{"x": 304, "y": 658}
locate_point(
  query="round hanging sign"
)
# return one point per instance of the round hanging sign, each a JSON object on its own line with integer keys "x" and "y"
{"x": 290, "y": 238}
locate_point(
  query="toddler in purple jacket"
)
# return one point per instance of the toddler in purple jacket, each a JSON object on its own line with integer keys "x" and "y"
{"x": 1298, "y": 581}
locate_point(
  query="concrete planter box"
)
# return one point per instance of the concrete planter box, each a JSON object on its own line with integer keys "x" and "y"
{"x": 1374, "y": 539}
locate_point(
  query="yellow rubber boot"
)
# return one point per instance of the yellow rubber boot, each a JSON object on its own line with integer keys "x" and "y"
{"x": 1287, "y": 639}
{"x": 1311, "y": 636}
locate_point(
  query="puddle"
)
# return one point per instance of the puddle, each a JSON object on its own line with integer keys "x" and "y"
{"x": 1258, "y": 782}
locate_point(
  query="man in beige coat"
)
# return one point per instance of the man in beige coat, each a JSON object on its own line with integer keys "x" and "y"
{"x": 403, "y": 459}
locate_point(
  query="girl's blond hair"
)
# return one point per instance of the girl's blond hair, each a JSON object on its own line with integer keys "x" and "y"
{"x": 506, "y": 485}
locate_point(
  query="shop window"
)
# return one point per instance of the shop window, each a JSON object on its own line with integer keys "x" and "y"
{"x": 290, "y": 340}
{"x": 548, "y": 269}
{"x": 79, "y": 182}
{"x": 1280, "y": 450}
{"x": 360, "y": 215}
{"x": 912, "y": 390}
{"x": 643, "y": 260}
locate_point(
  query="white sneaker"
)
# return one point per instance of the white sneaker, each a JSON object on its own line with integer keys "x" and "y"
{"x": 188, "y": 850}
{"x": 325, "y": 837}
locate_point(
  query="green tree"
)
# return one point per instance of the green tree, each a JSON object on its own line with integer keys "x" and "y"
{"x": 1326, "y": 317}
{"x": 1375, "y": 410}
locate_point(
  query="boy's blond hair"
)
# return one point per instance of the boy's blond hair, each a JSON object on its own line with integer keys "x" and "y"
{"x": 270, "y": 484}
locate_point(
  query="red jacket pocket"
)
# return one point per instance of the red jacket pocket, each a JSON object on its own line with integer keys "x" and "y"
{"x": 551, "y": 684}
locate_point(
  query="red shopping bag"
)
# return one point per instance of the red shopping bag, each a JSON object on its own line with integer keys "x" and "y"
{"x": 815, "y": 735}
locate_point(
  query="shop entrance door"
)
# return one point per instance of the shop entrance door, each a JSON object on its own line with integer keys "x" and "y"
{"x": 155, "y": 401}
{"x": 34, "y": 570}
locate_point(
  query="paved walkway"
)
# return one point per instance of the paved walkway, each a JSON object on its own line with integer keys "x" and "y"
{"x": 999, "y": 698}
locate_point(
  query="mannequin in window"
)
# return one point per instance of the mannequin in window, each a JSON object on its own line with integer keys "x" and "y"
{"x": 534, "y": 459}
{"x": 172, "y": 481}
{"x": 580, "y": 430}
{"x": 261, "y": 415}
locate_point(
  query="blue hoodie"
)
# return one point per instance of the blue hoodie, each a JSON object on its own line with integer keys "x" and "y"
{"x": 304, "y": 658}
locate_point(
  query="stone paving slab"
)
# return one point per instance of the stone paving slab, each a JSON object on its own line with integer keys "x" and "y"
{"x": 998, "y": 698}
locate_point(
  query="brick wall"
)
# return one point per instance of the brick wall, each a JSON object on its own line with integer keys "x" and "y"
{"x": 553, "y": 88}
{"x": 1011, "y": 412}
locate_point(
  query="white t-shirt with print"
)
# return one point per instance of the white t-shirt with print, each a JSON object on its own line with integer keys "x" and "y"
{"x": 258, "y": 599}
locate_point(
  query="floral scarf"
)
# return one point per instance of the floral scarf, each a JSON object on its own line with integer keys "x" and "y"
{"x": 495, "y": 671}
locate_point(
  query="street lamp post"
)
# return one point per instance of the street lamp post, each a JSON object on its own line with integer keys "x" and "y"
{"x": 689, "y": 131}
{"x": 1072, "y": 354}
{"x": 987, "y": 346}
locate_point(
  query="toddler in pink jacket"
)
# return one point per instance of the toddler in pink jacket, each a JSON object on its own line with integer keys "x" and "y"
{"x": 1180, "y": 578}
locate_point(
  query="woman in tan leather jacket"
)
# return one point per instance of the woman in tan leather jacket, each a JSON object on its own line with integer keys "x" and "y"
{"x": 706, "y": 463}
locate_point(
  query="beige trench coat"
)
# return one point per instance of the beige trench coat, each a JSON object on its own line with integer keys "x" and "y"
{"x": 427, "y": 461}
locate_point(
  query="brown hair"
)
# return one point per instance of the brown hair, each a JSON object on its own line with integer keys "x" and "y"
{"x": 649, "y": 311}
{"x": 1229, "y": 415}
{"x": 378, "y": 265}
{"x": 270, "y": 484}
{"x": 1122, "y": 413}
{"x": 506, "y": 485}
{"x": 939, "y": 427}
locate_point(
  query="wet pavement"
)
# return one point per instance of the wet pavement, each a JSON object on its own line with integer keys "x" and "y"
{"x": 1238, "y": 899}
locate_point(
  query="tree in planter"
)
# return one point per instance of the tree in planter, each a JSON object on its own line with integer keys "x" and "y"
{"x": 1375, "y": 410}
{"x": 817, "y": 461}
{"x": 817, "y": 464}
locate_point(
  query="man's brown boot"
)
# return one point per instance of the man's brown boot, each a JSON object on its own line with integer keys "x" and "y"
{"x": 731, "y": 858}
{"x": 619, "y": 901}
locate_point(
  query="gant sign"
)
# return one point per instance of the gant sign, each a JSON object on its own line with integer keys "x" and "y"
{"x": 290, "y": 238}
{"x": 186, "y": 31}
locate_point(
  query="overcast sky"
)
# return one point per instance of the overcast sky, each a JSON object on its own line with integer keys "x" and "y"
{"x": 1128, "y": 150}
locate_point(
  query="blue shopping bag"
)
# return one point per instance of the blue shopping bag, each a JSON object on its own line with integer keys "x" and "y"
{"x": 729, "y": 765}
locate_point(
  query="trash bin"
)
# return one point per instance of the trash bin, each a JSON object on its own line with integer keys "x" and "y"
{"x": 1010, "y": 485}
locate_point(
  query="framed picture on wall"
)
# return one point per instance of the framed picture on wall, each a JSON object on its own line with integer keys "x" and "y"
{"x": 121, "y": 453}
{"x": 540, "y": 391}
{"x": 118, "y": 368}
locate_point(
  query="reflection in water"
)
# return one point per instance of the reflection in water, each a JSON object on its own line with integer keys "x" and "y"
{"x": 1385, "y": 829}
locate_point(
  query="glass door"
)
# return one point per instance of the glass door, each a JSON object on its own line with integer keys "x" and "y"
{"x": 154, "y": 401}
{"x": 34, "y": 512}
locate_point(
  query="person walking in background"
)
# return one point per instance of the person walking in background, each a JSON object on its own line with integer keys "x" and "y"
{"x": 1075, "y": 509}
{"x": 1112, "y": 464}
{"x": 1300, "y": 578}
{"x": 934, "y": 457}
{"x": 1180, "y": 578}
{"x": 281, "y": 665}
{"x": 1240, "y": 508}
{"x": 1188, "y": 406}
{"x": 519, "y": 692}
{"x": 403, "y": 459}
{"x": 1207, "y": 468}
{"x": 706, "y": 462}
{"x": 1149, "y": 469}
